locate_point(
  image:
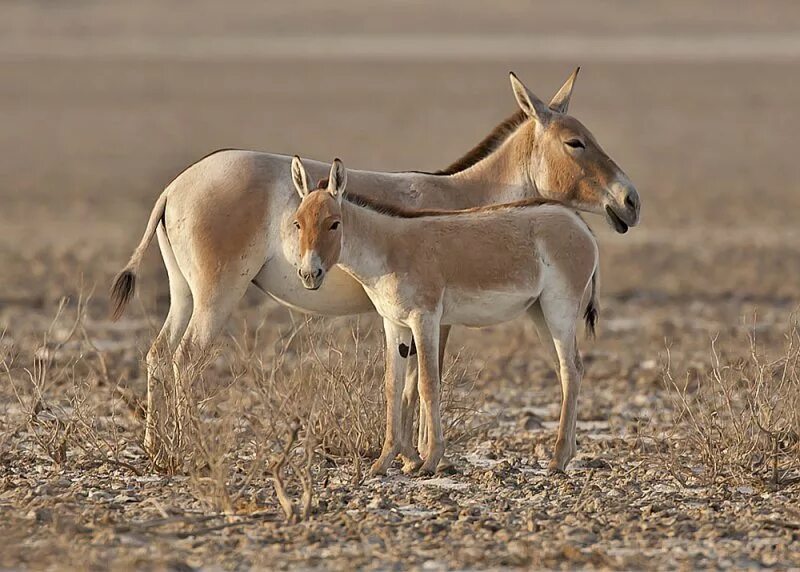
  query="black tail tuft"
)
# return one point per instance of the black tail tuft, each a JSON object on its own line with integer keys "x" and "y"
{"x": 121, "y": 292}
{"x": 592, "y": 315}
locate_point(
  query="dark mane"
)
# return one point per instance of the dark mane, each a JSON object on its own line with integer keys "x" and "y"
{"x": 401, "y": 212}
{"x": 489, "y": 143}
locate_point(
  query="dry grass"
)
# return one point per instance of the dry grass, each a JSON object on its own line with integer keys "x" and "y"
{"x": 311, "y": 403}
{"x": 737, "y": 423}
{"x": 56, "y": 389}
{"x": 265, "y": 422}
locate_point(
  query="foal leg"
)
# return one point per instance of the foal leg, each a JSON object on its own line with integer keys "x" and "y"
{"x": 410, "y": 404}
{"x": 410, "y": 454}
{"x": 160, "y": 353}
{"x": 561, "y": 315}
{"x": 397, "y": 340}
{"x": 426, "y": 334}
{"x": 422, "y": 438}
{"x": 411, "y": 398}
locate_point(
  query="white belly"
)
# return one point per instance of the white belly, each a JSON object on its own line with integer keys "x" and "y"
{"x": 340, "y": 295}
{"x": 483, "y": 308}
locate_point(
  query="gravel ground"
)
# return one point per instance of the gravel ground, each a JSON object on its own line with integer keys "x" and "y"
{"x": 87, "y": 144}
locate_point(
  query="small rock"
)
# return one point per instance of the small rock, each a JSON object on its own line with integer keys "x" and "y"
{"x": 598, "y": 463}
{"x": 530, "y": 422}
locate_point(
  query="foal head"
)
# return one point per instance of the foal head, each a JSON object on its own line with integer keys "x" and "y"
{"x": 565, "y": 163}
{"x": 318, "y": 221}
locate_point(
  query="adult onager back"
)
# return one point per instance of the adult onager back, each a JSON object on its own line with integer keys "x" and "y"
{"x": 226, "y": 221}
{"x": 475, "y": 267}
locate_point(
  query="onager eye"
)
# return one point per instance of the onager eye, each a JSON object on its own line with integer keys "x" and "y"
{"x": 297, "y": 225}
{"x": 575, "y": 144}
{"x": 335, "y": 225}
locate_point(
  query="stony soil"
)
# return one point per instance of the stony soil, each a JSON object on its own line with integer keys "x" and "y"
{"x": 86, "y": 147}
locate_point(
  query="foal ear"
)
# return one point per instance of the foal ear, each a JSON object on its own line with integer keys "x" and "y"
{"x": 299, "y": 177}
{"x": 529, "y": 103}
{"x": 560, "y": 101}
{"x": 337, "y": 180}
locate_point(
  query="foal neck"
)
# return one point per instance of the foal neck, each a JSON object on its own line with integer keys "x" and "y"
{"x": 367, "y": 236}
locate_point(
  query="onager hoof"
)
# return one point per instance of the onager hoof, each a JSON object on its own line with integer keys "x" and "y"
{"x": 430, "y": 465}
{"x": 555, "y": 468}
{"x": 563, "y": 455}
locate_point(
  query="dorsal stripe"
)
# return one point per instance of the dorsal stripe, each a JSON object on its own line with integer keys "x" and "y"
{"x": 401, "y": 212}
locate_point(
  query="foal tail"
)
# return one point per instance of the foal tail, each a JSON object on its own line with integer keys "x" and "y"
{"x": 592, "y": 313}
{"x": 125, "y": 283}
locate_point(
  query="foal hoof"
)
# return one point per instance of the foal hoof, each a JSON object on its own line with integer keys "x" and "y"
{"x": 411, "y": 466}
{"x": 428, "y": 468}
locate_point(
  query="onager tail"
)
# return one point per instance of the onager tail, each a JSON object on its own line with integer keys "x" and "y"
{"x": 125, "y": 283}
{"x": 592, "y": 313}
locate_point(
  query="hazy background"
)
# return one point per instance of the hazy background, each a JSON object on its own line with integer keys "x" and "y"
{"x": 103, "y": 103}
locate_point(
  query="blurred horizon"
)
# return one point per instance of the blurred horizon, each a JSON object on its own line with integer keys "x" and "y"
{"x": 105, "y": 102}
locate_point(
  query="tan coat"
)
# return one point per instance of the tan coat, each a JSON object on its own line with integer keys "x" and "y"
{"x": 225, "y": 222}
{"x": 475, "y": 267}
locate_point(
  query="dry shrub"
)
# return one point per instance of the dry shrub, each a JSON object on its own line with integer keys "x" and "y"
{"x": 56, "y": 393}
{"x": 738, "y": 423}
{"x": 290, "y": 410}
{"x": 268, "y": 420}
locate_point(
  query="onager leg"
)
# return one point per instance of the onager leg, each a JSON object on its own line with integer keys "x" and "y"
{"x": 561, "y": 315}
{"x": 426, "y": 334}
{"x": 165, "y": 344}
{"x": 545, "y": 336}
{"x": 212, "y": 308}
{"x": 398, "y": 339}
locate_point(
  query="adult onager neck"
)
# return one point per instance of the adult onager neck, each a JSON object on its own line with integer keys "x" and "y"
{"x": 225, "y": 222}
{"x": 473, "y": 267}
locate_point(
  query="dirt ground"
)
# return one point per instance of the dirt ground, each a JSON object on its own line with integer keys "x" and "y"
{"x": 88, "y": 142}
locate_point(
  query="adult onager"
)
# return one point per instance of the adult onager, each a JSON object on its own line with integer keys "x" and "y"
{"x": 222, "y": 222}
{"x": 474, "y": 267}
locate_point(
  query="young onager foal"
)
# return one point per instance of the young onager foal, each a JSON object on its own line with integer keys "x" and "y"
{"x": 225, "y": 221}
{"x": 426, "y": 269}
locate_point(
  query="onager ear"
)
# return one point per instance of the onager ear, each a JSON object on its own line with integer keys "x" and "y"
{"x": 529, "y": 103}
{"x": 560, "y": 101}
{"x": 299, "y": 177}
{"x": 337, "y": 180}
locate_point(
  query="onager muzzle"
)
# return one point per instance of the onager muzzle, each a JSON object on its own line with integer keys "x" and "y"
{"x": 624, "y": 210}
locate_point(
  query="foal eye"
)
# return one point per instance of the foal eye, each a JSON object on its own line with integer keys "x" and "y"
{"x": 575, "y": 144}
{"x": 297, "y": 225}
{"x": 335, "y": 225}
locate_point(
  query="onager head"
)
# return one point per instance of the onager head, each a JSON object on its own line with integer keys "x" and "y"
{"x": 318, "y": 221}
{"x": 565, "y": 163}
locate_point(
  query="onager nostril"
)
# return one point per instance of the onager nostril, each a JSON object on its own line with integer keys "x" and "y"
{"x": 318, "y": 273}
{"x": 630, "y": 202}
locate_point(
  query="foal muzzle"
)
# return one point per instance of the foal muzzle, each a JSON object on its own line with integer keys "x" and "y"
{"x": 312, "y": 279}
